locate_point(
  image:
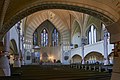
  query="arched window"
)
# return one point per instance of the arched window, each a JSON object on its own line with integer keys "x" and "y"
{"x": 44, "y": 38}
{"x": 92, "y": 35}
{"x": 55, "y": 37}
{"x": 35, "y": 38}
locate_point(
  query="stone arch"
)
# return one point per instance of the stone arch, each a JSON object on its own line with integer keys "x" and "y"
{"x": 76, "y": 23}
{"x": 94, "y": 57}
{"x": 46, "y": 30}
{"x": 90, "y": 25}
{"x": 57, "y": 22}
{"x": 13, "y": 46}
{"x": 87, "y": 30}
{"x": 76, "y": 59}
{"x": 52, "y": 38}
{"x": 45, "y": 27}
{"x": 13, "y": 51}
{"x": 96, "y": 11}
{"x": 110, "y": 57}
{"x": 76, "y": 33}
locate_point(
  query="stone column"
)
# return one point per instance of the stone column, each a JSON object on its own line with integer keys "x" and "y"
{"x": 106, "y": 60}
{"x": 19, "y": 52}
{"x": 83, "y": 61}
{"x": 7, "y": 42}
{"x": 114, "y": 29}
{"x": 22, "y": 57}
{"x": 83, "y": 40}
{"x": 116, "y": 66}
{"x": 17, "y": 57}
{"x": 4, "y": 62}
{"x": 17, "y": 62}
{"x": 7, "y": 47}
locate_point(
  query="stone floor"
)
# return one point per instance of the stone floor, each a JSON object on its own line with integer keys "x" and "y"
{"x": 38, "y": 72}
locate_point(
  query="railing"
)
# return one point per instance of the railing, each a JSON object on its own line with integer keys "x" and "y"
{"x": 97, "y": 47}
{"x": 93, "y": 67}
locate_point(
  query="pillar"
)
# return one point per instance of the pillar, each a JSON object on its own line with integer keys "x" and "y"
{"x": 114, "y": 30}
{"x": 106, "y": 60}
{"x": 17, "y": 57}
{"x": 83, "y": 40}
{"x": 4, "y": 62}
{"x": 17, "y": 62}
{"x": 22, "y": 56}
{"x": 116, "y": 66}
{"x": 7, "y": 42}
{"x": 83, "y": 61}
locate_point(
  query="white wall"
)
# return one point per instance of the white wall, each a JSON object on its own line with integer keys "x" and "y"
{"x": 28, "y": 53}
{"x": 76, "y": 39}
{"x": 54, "y": 52}
{"x": 96, "y": 47}
{"x": 14, "y": 35}
{"x": 76, "y": 51}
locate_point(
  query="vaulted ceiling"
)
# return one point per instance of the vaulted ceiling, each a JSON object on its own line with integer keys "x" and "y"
{"x": 63, "y": 20}
{"x": 11, "y": 11}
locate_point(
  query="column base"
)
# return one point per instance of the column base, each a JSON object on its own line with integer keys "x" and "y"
{"x": 4, "y": 66}
{"x": 106, "y": 62}
{"x": 17, "y": 63}
{"x": 116, "y": 69}
{"x": 7, "y": 72}
{"x": 83, "y": 62}
{"x": 2, "y": 72}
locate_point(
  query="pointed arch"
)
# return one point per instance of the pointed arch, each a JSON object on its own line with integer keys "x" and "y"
{"x": 76, "y": 58}
{"x": 44, "y": 37}
{"x": 75, "y": 28}
{"x": 55, "y": 37}
{"x": 13, "y": 46}
{"x": 94, "y": 57}
{"x": 35, "y": 38}
{"x": 92, "y": 34}
{"x": 76, "y": 33}
{"x": 42, "y": 17}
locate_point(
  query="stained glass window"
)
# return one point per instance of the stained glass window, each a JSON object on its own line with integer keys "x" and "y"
{"x": 55, "y": 37}
{"x": 44, "y": 38}
{"x": 35, "y": 38}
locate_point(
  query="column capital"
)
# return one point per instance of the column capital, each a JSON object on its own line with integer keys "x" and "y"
{"x": 84, "y": 40}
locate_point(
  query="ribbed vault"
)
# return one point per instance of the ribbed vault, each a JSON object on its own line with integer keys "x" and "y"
{"x": 22, "y": 8}
{"x": 34, "y": 20}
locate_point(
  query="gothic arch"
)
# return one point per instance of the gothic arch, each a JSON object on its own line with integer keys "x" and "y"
{"x": 97, "y": 11}
{"x": 75, "y": 22}
{"x": 57, "y": 22}
{"x": 94, "y": 56}
{"x": 90, "y": 25}
{"x": 76, "y": 58}
{"x": 13, "y": 46}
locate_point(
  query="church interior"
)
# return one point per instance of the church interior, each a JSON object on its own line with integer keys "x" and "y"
{"x": 60, "y": 39}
